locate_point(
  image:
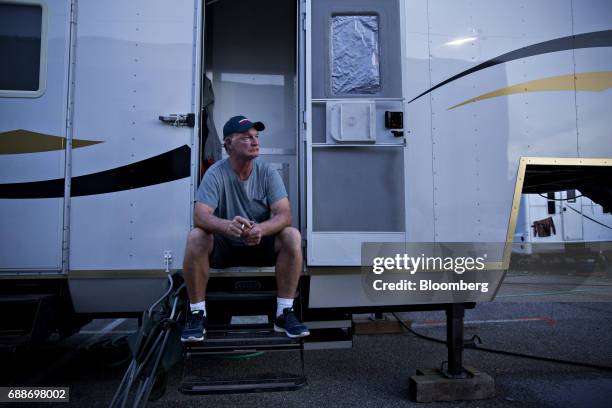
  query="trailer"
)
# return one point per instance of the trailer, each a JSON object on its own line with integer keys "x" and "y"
{"x": 395, "y": 121}
{"x": 577, "y": 220}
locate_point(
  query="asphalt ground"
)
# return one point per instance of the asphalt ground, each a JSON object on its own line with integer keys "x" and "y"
{"x": 374, "y": 372}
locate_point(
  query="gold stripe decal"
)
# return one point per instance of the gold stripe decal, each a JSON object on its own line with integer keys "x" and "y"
{"x": 588, "y": 81}
{"x": 23, "y": 141}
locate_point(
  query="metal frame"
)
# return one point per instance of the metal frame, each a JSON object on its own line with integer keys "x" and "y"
{"x": 403, "y": 57}
{"x": 197, "y": 74}
{"x": 55, "y": 274}
{"x": 300, "y": 68}
{"x": 69, "y": 136}
{"x": 308, "y": 120}
{"x": 160, "y": 273}
{"x": 518, "y": 189}
{"x": 118, "y": 274}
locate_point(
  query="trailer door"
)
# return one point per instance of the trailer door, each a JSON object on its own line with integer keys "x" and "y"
{"x": 571, "y": 215}
{"x": 136, "y": 91}
{"x": 354, "y": 157}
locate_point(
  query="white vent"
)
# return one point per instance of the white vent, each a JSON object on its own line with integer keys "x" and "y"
{"x": 351, "y": 121}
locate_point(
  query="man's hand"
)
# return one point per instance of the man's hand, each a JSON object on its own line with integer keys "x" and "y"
{"x": 238, "y": 227}
{"x": 253, "y": 235}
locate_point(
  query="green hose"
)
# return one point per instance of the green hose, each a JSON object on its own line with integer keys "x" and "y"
{"x": 245, "y": 356}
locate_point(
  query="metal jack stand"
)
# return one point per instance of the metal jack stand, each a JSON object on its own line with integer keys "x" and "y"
{"x": 455, "y": 382}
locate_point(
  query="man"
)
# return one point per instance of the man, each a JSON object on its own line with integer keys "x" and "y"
{"x": 242, "y": 217}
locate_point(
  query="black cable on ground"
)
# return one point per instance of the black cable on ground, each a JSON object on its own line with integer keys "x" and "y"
{"x": 504, "y": 352}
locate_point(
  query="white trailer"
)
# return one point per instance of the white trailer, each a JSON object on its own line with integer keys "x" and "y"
{"x": 97, "y": 193}
{"x": 577, "y": 220}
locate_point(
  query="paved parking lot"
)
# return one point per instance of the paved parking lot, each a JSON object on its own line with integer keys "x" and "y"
{"x": 375, "y": 371}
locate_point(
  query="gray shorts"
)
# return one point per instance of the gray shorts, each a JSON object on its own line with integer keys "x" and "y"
{"x": 227, "y": 253}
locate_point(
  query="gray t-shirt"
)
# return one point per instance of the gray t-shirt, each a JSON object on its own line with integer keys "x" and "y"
{"x": 222, "y": 190}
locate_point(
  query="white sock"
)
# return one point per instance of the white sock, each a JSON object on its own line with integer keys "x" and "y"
{"x": 282, "y": 303}
{"x": 198, "y": 306}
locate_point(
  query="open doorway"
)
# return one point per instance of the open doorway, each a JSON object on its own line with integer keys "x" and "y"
{"x": 250, "y": 63}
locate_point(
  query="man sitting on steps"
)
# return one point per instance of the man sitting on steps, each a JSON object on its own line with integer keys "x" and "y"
{"x": 242, "y": 217}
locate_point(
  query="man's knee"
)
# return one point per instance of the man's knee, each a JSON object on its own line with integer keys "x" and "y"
{"x": 199, "y": 241}
{"x": 290, "y": 239}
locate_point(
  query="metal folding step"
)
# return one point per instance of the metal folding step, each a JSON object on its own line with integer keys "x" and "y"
{"x": 242, "y": 341}
{"x": 279, "y": 382}
{"x": 240, "y": 315}
{"x": 234, "y": 341}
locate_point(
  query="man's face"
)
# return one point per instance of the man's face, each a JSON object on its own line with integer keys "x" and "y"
{"x": 245, "y": 145}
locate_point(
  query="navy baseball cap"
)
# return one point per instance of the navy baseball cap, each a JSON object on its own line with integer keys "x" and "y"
{"x": 240, "y": 124}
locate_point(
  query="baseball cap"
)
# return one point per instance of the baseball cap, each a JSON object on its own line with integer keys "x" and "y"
{"x": 239, "y": 124}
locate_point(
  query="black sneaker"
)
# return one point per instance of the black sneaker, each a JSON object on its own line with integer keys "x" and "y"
{"x": 289, "y": 324}
{"x": 195, "y": 327}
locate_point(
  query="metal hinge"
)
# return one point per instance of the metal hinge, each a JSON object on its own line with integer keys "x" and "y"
{"x": 73, "y": 13}
{"x": 179, "y": 119}
{"x": 303, "y": 14}
{"x": 304, "y": 119}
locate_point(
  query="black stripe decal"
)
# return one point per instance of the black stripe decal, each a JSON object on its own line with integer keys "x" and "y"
{"x": 587, "y": 40}
{"x": 169, "y": 166}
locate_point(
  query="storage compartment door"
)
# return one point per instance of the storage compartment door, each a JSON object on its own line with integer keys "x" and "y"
{"x": 132, "y": 193}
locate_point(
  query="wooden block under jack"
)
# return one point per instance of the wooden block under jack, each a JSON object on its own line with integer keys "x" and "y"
{"x": 430, "y": 385}
{"x": 379, "y": 326}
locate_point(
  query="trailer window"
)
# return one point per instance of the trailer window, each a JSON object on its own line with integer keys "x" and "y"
{"x": 354, "y": 54}
{"x": 21, "y": 35}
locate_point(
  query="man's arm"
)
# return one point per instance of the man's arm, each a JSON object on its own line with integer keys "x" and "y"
{"x": 203, "y": 217}
{"x": 280, "y": 218}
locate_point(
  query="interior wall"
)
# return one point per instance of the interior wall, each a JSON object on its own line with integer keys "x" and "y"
{"x": 250, "y": 59}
